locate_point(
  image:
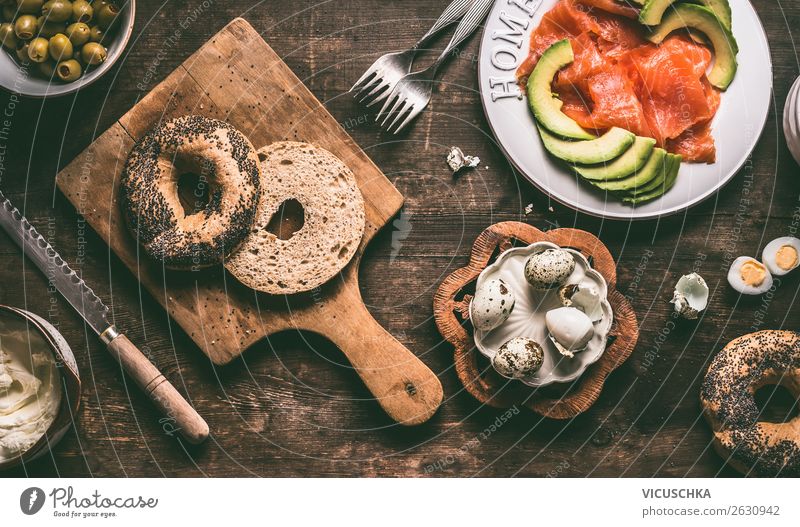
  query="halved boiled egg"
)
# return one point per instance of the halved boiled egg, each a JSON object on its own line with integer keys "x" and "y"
{"x": 782, "y": 255}
{"x": 749, "y": 276}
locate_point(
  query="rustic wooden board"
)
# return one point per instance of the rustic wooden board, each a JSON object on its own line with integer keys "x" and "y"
{"x": 292, "y": 406}
{"x": 237, "y": 77}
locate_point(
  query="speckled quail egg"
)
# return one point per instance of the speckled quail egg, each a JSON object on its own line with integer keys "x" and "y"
{"x": 491, "y": 305}
{"x": 749, "y": 276}
{"x": 570, "y": 329}
{"x": 782, "y": 255}
{"x": 549, "y": 269}
{"x": 519, "y": 357}
{"x": 691, "y": 296}
{"x": 584, "y": 297}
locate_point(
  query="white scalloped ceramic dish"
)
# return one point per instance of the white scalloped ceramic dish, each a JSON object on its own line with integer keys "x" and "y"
{"x": 527, "y": 317}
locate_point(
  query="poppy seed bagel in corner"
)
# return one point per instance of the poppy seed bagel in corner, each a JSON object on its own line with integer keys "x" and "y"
{"x": 746, "y": 364}
{"x": 224, "y": 159}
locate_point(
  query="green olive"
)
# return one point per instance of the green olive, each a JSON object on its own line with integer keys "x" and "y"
{"x": 93, "y": 53}
{"x": 96, "y": 34}
{"x": 7, "y": 35}
{"x": 38, "y": 49}
{"x": 98, "y": 4}
{"x": 78, "y": 34}
{"x": 48, "y": 29}
{"x": 60, "y": 47}
{"x": 82, "y": 11}
{"x": 47, "y": 68}
{"x": 69, "y": 70}
{"x": 29, "y": 7}
{"x": 22, "y": 51}
{"x": 57, "y": 10}
{"x": 106, "y": 15}
{"x": 26, "y": 27}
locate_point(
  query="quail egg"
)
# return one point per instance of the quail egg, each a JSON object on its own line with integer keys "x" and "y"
{"x": 492, "y": 305}
{"x": 584, "y": 297}
{"x": 570, "y": 329}
{"x": 749, "y": 276}
{"x": 549, "y": 269}
{"x": 517, "y": 358}
{"x": 782, "y": 255}
{"x": 691, "y": 296}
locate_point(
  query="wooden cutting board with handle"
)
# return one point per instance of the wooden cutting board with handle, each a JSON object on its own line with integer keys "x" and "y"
{"x": 237, "y": 77}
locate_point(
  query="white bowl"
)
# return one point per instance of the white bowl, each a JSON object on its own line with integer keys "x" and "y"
{"x": 15, "y": 79}
{"x": 791, "y": 120}
{"x": 527, "y": 317}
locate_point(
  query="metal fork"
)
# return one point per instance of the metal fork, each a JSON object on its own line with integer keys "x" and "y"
{"x": 381, "y": 78}
{"x": 413, "y": 93}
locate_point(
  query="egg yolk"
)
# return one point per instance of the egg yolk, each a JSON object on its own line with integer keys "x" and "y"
{"x": 753, "y": 273}
{"x": 786, "y": 258}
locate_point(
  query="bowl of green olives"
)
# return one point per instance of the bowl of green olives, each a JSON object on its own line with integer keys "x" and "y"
{"x": 56, "y": 47}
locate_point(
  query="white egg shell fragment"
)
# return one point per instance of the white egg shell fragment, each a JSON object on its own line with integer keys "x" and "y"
{"x": 749, "y": 276}
{"x": 691, "y": 296}
{"x": 782, "y": 255}
{"x": 570, "y": 329}
{"x": 584, "y": 297}
{"x": 491, "y": 305}
{"x": 517, "y": 358}
{"x": 549, "y": 269}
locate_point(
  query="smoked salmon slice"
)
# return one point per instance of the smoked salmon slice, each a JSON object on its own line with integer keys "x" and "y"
{"x": 620, "y": 79}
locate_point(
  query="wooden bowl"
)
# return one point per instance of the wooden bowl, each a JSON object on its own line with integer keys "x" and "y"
{"x": 71, "y": 384}
{"x": 451, "y": 311}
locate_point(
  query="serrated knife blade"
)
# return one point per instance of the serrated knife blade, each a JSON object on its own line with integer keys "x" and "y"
{"x": 58, "y": 272}
{"x": 180, "y": 416}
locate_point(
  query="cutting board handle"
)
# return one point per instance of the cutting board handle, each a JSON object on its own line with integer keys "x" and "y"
{"x": 403, "y": 385}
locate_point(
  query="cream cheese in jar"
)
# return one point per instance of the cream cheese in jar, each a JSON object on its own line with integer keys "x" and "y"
{"x": 30, "y": 390}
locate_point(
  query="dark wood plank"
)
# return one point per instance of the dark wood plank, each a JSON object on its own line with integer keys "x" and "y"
{"x": 292, "y": 405}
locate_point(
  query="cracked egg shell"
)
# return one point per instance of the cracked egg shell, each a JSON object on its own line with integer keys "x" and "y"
{"x": 570, "y": 329}
{"x": 519, "y": 357}
{"x": 491, "y": 305}
{"x": 549, "y": 269}
{"x": 782, "y": 255}
{"x": 691, "y": 296}
{"x": 584, "y": 297}
{"x": 749, "y": 276}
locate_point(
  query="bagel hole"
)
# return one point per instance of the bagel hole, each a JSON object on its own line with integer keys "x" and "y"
{"x": 776, "y": 404}
{"x": 290, "y": 218}
{"x": 193, "y": 192}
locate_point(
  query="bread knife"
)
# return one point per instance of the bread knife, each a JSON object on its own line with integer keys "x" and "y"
{"x": 81, "y": 297}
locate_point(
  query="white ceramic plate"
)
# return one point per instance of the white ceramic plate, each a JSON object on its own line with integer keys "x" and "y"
{"x": 527, "y": 317}
{"x": 736, "y": 127}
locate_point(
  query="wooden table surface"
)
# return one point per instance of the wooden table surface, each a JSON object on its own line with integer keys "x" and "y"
{"x": 292, "y": 406}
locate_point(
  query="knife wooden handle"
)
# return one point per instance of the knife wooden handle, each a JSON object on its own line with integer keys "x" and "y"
{"x": 187, "y": 421}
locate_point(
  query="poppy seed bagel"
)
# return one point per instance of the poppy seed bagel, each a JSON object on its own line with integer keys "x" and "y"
{"x": 221, "y": 156}
{"x": 334, "y": 221}
{"x": 727, "y": 396}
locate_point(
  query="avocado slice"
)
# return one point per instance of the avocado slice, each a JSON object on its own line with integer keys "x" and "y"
{"x": 598, "y": 150}
{"x": 653, "y": 11}
{"x": 669, "y": 182}
{"x": 658, "y": 182}
{"x": 544, "y": 104}
{"x": 632, "y": 160}
{"x": 650, "y": 171}
{"x": 703, "y": 19}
